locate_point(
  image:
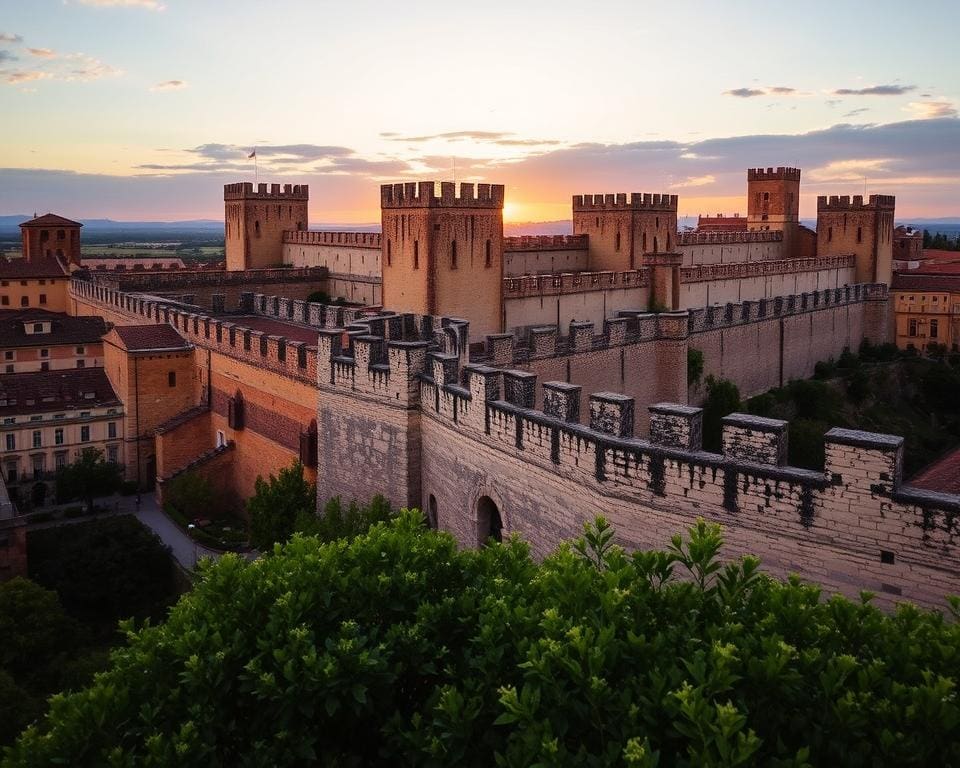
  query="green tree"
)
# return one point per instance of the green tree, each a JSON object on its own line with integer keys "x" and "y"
{"x": 723, "y": 398}
{"x": 694, "y": 366}
{"x": 399, "y": 648}
{"x": 192, "y": 495}
{"x": 88, "y": 477}
{"x": 336, "y": 523}
{"x": 277, "y": 504}
{"x": 103, "y": 570}
{"x": 32, "y": 624}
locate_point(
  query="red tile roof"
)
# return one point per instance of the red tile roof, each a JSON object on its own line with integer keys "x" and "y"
{"x": 43, "y": 391}
{"x": 943, "y": 475}
{"x": 141, "y": 338}
{"x": 51, "y": 220}
{"x": 21, "y": 269}
{"x": 903, "y": 281}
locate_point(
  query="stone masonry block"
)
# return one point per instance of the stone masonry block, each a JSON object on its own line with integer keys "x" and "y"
{"x": 754, "y": 439}
{"x": 676, "y": 426}
{"x": 562, "y": 400}
{"x": 612, "y": 414}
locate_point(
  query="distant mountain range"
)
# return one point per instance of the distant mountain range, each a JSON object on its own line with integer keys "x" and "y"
{"x": 161, "y": 230}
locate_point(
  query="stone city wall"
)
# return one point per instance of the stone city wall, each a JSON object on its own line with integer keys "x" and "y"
{"x": 850, "y": 527}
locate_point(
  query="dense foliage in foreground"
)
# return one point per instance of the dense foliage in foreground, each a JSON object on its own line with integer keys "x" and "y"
{"x": 396, "y": 648}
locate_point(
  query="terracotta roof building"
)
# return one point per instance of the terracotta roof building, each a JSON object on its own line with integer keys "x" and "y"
{"x": 144, "y": 338}
{"x": 37, "y": 340}
{"x": 943, "y": 475}
{"x": 47, "y": 418}
{"x": 51, "y": 235}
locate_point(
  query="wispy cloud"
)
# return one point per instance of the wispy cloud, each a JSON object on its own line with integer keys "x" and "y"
{"x": 20, "y": 76}
{"x": 152, "y": 5}
{"x": 6, "y": 56}
{"x": 876, "y": 90}
{"x": 170, "y": 85}
{"x": 928, "y": 110}
{"x": 72, "y": 67}
{"x": 9, "y": 37}
{"x": 450, "y": 136}
{"x": 283, "y": 159}
{"x": 770, "y": 90}
{"x": 695, "y": 181}
{"x": 855, "y": 112}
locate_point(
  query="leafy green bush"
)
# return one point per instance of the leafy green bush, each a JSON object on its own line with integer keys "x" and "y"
{"x": 398, "y": 648}
{"x": 825, "y": 369}
{"x": 694, "y": 366}
{"x": 335, "y": 523}
{"x": 723, "y": 398}
{"x": 276, "y": 505}
{"x": 129, "y": 487}
{"x": 88, "y": 477}
{"x": 192, "y": 495}
{"x": 103, "y": 570}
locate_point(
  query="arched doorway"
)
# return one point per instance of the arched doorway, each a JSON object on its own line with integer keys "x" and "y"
{"x": 489, "y": 522}
{"x": 432, "y": 521}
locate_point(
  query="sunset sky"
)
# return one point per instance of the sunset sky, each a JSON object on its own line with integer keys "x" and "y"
{"x": 142, "y": 109}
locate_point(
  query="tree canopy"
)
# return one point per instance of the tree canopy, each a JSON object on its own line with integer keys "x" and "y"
{"x": 399, "y": 648}
{"x": 88, "y": 477}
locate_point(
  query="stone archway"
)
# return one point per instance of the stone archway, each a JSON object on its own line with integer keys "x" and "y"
{"x": 489, "y": 521}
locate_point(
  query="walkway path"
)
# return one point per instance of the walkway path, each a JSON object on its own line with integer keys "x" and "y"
{"x": 186, "y": 551}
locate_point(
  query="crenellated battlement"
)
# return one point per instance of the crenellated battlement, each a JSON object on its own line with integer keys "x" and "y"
{"x": 854, "y": 507}
{"x": 423, "y": 195}
{"x": 741, "y": 270}
{"x": 545, "y": 243}
{"x": 780, "y": 173}
{"x": 346, "y": 239}
{"x": 245, "y": 191}
{"x": 728, "y": 238}
{"x": 619, "y": 201}
{"x": 845, "y": 203}
{"x": 573, "y": 282}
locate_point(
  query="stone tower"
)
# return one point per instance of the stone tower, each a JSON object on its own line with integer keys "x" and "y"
{"x": 255, "y": 220}
{"x": 444, "y": 255}
{"x": 622, "y": 230}
{"x": 864, "y": 229}
{"x": 773, "y": 203}
{"x": 51, "y": 235}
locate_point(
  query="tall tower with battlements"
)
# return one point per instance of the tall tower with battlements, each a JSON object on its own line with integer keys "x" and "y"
{"x": 773, "y": 203}
{"x": 443, "y": 255}
{"x": 621, "y": 229}
{"x": 865, "y": 229}
{"x": 255, "y": 220}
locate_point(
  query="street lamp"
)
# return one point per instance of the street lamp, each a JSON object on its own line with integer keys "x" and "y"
{"x": 191, "y": 528}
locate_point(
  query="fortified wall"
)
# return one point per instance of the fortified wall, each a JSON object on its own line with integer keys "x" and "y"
{"x": 203, "y": 284}
{"x": 486, "y": 449}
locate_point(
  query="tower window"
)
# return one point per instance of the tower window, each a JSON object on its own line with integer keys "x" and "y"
{"x": 829, "y": 234}
{"x": 766, "y": 197}
{"x": 644, "y": 242}
{"x": 655, "y": 249}
{"x": 172, "y": 379}
{"x": 453, "y": 254}
{"x": 256, "y": 228}
{"x": 617, "y": 246}
{"x": 488, "y": 256}
{"x": 389, "y": 254}
{"x": 859, "y": 234}
{"x": 598, "y": 221}
{"x": 416, "y": 254}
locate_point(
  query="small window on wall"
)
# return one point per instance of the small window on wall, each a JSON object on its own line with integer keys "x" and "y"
{"x": 934, "y": 329}
{"x": 766, "y": 197}
{"x": 172, "y": 379}
{"x": 912, "y": 328}
{"x": 24, "y": 301}
{"x": 43, "y": 298}
{"x": 256, "y": 228}
{"x": 389, "y": 254}
{"x": 617, "y": 242}
{"x": 416, "y": 254}
{"x": 453, "y": 254}
{"x": 859, "y": 234}
{"x": 829, "y": 234}
{"x": 488, "y": 256}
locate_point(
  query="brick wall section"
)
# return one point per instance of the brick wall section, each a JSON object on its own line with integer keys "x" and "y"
{"x": 864, "y": 229}
{"x": 621, "y": 228}
{"x": 13, "y": 549}
{"x": 256, "y": 220}
{"x": 840, "y": 527}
